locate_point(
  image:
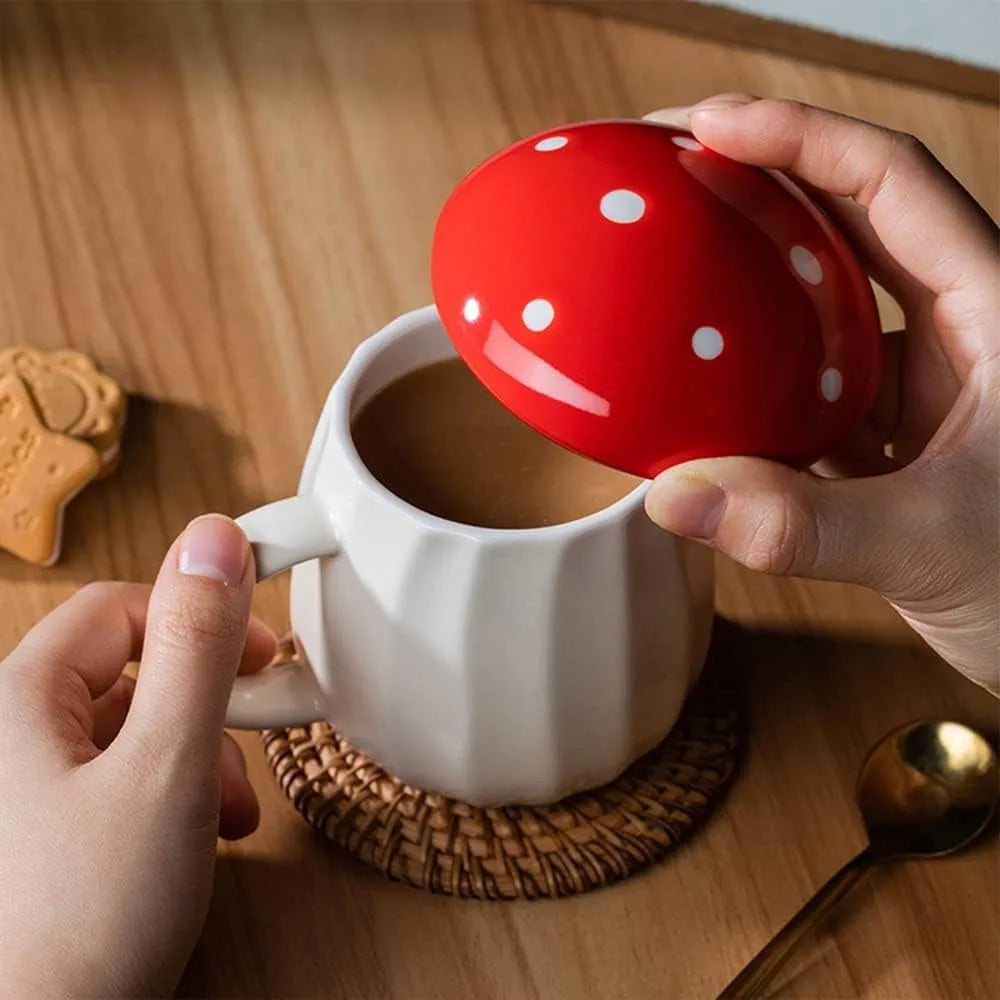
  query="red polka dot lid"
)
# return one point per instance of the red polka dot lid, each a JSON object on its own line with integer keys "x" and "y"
{"x": 643, "y": 300}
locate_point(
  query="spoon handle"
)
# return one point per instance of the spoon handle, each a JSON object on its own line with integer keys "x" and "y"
{"x": 762, "y": 968}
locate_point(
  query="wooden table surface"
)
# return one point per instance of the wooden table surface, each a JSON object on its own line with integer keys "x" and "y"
{"x": 219, "y": 202}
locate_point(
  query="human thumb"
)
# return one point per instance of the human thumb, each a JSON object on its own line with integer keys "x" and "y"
{"x": 196, "y": 629}
{"x": 778, "y": 520}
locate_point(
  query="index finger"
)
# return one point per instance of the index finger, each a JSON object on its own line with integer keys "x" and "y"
{"x": 100, "y": 629}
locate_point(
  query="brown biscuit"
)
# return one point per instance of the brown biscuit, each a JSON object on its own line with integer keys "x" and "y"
{"x": 65, "y": 395}
{"x": 62, "y": 403}
{"x": 72, "y": 396}
{"x": 40, "y": 472}
{"x": 110, "y": 400}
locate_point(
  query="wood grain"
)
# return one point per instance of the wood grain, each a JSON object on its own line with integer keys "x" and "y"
{"x": 218, "y": 202}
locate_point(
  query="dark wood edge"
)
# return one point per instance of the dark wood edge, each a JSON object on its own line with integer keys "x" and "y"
{"x": 750, "y": 31}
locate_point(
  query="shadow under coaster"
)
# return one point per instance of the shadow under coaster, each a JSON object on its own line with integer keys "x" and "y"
{"x": 585, "y": 841}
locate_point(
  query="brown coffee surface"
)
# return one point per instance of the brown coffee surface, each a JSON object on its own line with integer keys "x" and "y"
{"x": 439, "y": 440}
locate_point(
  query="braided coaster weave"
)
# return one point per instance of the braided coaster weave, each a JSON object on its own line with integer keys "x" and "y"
{"x": 515, "y": 852}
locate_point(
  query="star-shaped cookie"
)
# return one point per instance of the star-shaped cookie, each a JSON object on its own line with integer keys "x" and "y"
{"x": 40, "y": 472}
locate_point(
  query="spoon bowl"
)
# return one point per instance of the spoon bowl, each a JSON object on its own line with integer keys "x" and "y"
{"x": 926, "y": 790}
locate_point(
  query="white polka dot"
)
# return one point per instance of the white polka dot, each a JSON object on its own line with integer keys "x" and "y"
{"x": 707, "y": 343}
{"x": 831, "y": 385}
{"x": 686, "y": 142}
{"x": 538, "y": 314}
{"x": 471, "y": 310}
{"x": 806, "y": 265}
{"x": 622, "y": 206}
{"x": 551, "y": 143}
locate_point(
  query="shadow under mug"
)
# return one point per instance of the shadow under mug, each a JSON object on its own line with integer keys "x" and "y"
{"x": 493, "y": 666}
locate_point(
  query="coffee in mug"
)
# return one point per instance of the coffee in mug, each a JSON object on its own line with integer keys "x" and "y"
{"x": 440, "y": 441}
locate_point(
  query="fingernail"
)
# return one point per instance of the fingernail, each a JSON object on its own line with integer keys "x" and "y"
{"x": 677, "y": 117}
{"x": 687, "y": 506}
{"x": 213, "y": 547}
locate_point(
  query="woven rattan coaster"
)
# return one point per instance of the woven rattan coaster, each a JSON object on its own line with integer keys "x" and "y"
{"x": 516, "y": 852}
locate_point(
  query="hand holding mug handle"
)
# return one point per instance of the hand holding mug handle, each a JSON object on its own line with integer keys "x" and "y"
{"x": 282, "y": 534}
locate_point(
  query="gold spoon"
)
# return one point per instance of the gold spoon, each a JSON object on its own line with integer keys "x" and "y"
{"x": 926, "y": 790}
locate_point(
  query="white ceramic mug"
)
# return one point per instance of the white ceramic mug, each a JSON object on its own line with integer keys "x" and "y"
{"x": 493, "y": 666}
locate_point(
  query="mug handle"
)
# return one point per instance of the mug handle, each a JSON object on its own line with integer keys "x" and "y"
{"x": 282, "y": 533}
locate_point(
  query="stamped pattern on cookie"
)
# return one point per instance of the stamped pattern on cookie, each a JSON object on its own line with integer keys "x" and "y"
{"x": 72, "y": 397}
{"x": 40, "y": 472}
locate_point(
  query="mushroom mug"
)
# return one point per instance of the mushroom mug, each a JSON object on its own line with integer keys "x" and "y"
{"x": 493, "y": 666}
